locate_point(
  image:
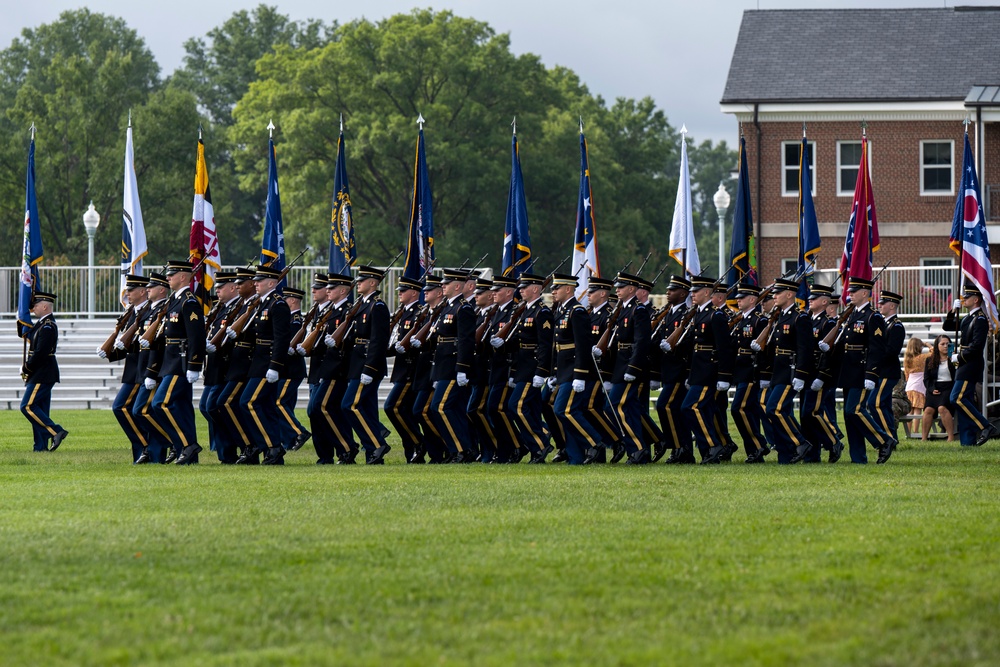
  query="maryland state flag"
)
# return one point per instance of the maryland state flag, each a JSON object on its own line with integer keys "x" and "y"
{"x": 343, "y": 253}
{"x": 31, "y": 255}
{"x": 586, "y": 261}
{"x": 742, "y": 247}
{"x": 204, "y": 240}
{"x": 862, "y": 229}
{"x": 272, "y": 246}
{"x": 809, "y": 241}
{"x": 516, "y": 239}
{"x": 420, "y": 242}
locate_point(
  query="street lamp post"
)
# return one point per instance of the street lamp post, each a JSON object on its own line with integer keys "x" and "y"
{"x": 90, "y": 221}
{"x": 721, "y": 200}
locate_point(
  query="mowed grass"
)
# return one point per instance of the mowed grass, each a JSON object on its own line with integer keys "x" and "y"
{"x": 105, "y": 563}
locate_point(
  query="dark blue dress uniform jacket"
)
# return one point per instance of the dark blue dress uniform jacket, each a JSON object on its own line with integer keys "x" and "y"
{"x": 181, "y": 348}
{"x": 742, "y": 335}
{"x": 131, "y": 372}
{"x": 861, "y": 347}
{"x": 531, "y": 353}
{"x": 271, "y": 335}
{"x": 402, "y": 367}
{"x": 573, "y": 343}
{"x": 971, "y": 361}
{"x": 710, "y": 348}
{"x": 630, "y": 341}
{"x": 41, "y": 365}
{"x": 455, "y": 330}
{"x": 370, "y": 336}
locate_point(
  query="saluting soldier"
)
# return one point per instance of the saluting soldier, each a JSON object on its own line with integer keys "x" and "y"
{"x": 180, "y": 351}
{"x": 816, "y": 426}
{"x": 746, "y": 409}
{"x": 479, "y": 379}
{"x": 293, "y": 434}
{"x": 399, "y": 403}
{"x": 861, "y": 346}
{"x": 501, "y": 382}
{"x": 365, "y": 353}
{"x": 672, "y": 376}
{"x": 598, "y": 407}
{"x": 40, "y": 372}
{"x": 239, "y": 349}
{"x": 135, "y": 430}
{"x": 973, "y": 428}
{"x": 158, "y": 442}
{"x": 224, "y": 440}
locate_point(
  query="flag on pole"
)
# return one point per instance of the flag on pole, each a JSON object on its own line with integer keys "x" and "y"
{"x": 420, "y": 243}
{"x": 742, "y": 247}
{"x": 809, "y": 241}
{"x": 272, "y": 246}
{"x": 586, "y": 262}
{"x": 343, "y": 253}
{"x": 969, "y": 239}
{"x": 862, "y": 229}
{"x": 516, "y": 239}
{"x": 32, "y": 248}
{"x": 682, "y": 243}
{"x": 133, "y": 233}
{"x": 204, "y": 237}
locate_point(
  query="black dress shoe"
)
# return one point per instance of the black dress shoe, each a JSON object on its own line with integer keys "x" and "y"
{"x": 675, "y": 456}
{"x": 325, "y": 462}
{"x": 836, "y": 451}
{"x": 618, "y": 452}
{"x": 543, "y": 454}
{"x": 560, "y": 456}
{"x": 300, "y": 440}
{"x": 714, "y": 455}
{"x": 379, "y": 454}
{"x": 172, "y": 456}
{"x": 638, "y": 458}
{"x": 984, "y": 437}
{"x": 189, "y": 453}
{"x": 275, "y": 457}
{"x": 519, "y": 454}
{"x": 591, "y": 456}
{"x": 728, "y": 450}
{"x": 885, "y": 451}
{"x": 659, "y": 449}
{"x": 416, "y": 459}
{"x": 385, "y": 433}
{"x": 57, "y": 439}
{"x": 143, "y": 458}
{"x": 801, "y": 451}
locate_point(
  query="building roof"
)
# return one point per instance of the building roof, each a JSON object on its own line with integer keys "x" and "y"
{"x": 852, "y": 55}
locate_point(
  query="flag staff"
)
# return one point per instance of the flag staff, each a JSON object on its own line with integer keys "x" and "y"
{"x": 684, "y": 252}
{"x": 961, "y": 267}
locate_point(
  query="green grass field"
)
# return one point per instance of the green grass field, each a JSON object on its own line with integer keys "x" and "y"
{"x": 109, "y": 564}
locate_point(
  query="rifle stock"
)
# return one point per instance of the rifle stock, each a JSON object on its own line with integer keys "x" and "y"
{"x": 340, "y": 333}
{"x": 109, "y": 345}
{"x": 515, "y": 317}
{"x": 301, "y": 333}
{"x": 833, "y": 335}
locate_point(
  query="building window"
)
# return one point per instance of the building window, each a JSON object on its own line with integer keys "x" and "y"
{"x": 936, "y": 161}
{"x": 790, "y": 265}
{"x": 848, "y": 162}
{"x": 790, "y": 167}
{"x": 936, "y": 284}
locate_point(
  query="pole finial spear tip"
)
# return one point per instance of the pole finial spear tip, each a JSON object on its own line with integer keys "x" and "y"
{"x": 420, "y": 120}
{"x": 341, "y": 121}
{"x": 270, "y": 127}
{"x": 581, "y": 124}
{"x": 32, "y": 128}
{"x": 684, "y": 129}
{"x": 803, "y": 129}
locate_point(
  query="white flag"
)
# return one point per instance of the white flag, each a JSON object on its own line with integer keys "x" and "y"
{"x": 682, "y": 244}
{"x": 133, "y": 233}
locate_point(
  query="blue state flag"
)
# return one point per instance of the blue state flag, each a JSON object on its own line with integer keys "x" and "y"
{"x": 586, "y": 261}
{"x": 420, "y": 243}
{"x": 742, "y": 247}
{"x": 272, "y": 246}
{"x": 343, "y": 253}
{"x": 516, "y": 239}
{"x": 32, "y": 248}
{"x": 809, "y": 242}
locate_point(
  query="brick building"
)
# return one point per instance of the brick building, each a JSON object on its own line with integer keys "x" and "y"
{"x": 913, "y": 76}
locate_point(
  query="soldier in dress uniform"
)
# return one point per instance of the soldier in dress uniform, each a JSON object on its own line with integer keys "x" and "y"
{"x": 530, "y": 347}
{"x": 830, "y": 370}
{"x": 238, "y": 348}
{"x": 973, "y": 428}
{"x": 223, "y": 439}
{"x": 433, "y": 444}
{"x": 889, "y": 370}
{"x": 720, "y": 301}
{"x": 508, "y": 448}
{"x": 746, "y": 409}
{"x": 293, "y": 434}
{"x": 672, "y": 376}
{"x": 479, "y": 380}
{"x": 598, "y": 406}
{"x": 816, "y": 426}
{"x": 651, "y": 433}
{"x": 630, "y": 348}
{"x": 399, "y": 403}
{"x": 157, "y": 440}
{"x": 860, "y": 348}
{"x": 365, "y": 353}
{"x": 40, "y": 372}
{"x": 179, "y": 350}
{"x": 135, "y": 430}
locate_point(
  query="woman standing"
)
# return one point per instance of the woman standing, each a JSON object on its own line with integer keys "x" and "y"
{"x": 939, "y": 377}
{"x": 913, "y": 372}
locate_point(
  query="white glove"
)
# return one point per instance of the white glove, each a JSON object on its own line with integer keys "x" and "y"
{"x": 551, "y": 382}
{"x": 665, "y": 346}
{"x": 798, "y": 384}
{"x": 209, "y": 347}
{"x": 607, "y": 387}
{"x": 143, "y": 344}
{"x": 954, "y": 358}
{"x": 956, "y": 304}
{"x": 415, "y": 343}
{"x": 399, "y": 348}
{"x": 291, "y": 351}
{"x": 101, "y": 353}
{"x": 271, "y": 376}
{"x": 511, "y": 383}
{"x": 823, "y": 347}
{"x": 366, "y": 379}
{"x": 687, "y": 385}
{"x": 230, "y": 333}
{"x": 119, "y": 344}
{"x": 496, "y": 341}
{"x": 328, "y": 340}
{"x": 596, "y": 351}
{"x": 629, "y": 377}
{"x": 461, "y": 379}
{"x": 149, "y": 383}
{"x": 537, "y": 381}
{"x": 301, "y": 351}
{"x": 654, "y": 384}
{"x": 870, "y": 385}
{"x": 721, "y": 386}
{"x": 755, "y": 346}
{"x": 192, "y": 376}
{"x": 764, "y": 384}
{"x": 816, "y": 385}
{"x": 579, "y": 386}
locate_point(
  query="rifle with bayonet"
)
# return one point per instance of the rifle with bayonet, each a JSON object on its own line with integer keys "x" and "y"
{"x": 518, "y": 313}
{"x": 340, "y": 333}
{"x": 832, "y": 337}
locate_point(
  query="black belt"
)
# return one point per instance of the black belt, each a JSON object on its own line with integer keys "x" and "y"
{"x": 450, "y": 339}
{"x": 175, "y": 341}
{"x": 528, "y": 346}
{"x": 565, "y": 346}
{"x": 624, "y": 346}
{"x": 360, "y": 341}
{"x": 247, "y": 345}
{"x": 704, "y": 348}
{"x": 261, "y": 341}
{"x": 854, "y": 348}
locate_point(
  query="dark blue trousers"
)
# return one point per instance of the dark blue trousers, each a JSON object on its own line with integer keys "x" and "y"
{"x": 174, "y": 411}
{"x": 361, "y": 405}
{"x": 880, "y": 407}
{"x": 157, "y": 439}
{"x": 481, "y": 423}
{"x": 571, "y": 409}
{"x": 746, "y": 413}
{"x": 331, "y": 425}
{"x": 399, "y": 409}
{"x": 501, "y": 422}
{"x": 699, "y": 410}
{"x": 289, "y": 425}
{"x": 624, "y": 398}
{"x": 260, "y": 401}
{"x": 779, "y": 411}
{"x": 225, "y": 441}
{"x": 816, "y": 427}
{"x": 525, "y": 406}
{"x": 448, "y": 412}
{"x": 433, "y": 442}
{"x": 233, "y": 414}
{"x": 122, "y": 409}
{"x": 861, "y": 427}
{"x": 971, "y": 421}
{"x": 35, "y": 406}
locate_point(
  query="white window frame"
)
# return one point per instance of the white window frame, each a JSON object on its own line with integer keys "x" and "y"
{"x": 841, "y": 166}
{"x": 951, "y": 179}
{"x": 929, "y": 264}
{"x": 785, "y": 192}
{"x": 789, "y": 264}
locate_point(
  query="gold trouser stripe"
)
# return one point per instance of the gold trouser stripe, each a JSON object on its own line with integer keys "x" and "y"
{"x": 444, "y": 417}
{"x": 31, "y": 413}
{"x": 667, "y": 414}
{"x": 251, "y": 408}
{"x": 700, "y": 417}
{"x": 859, "y": 412}
{"x": 354, "y": 408}
{"x": 146, "y": 412}
{"x": 166, "y": 411}
{"x": 522, "y": 420}
{"x": 329, "y": 418}
{"x": 399, "y": 415}
{"x": 425, "y": 414}
{"x": 878, "y": 406}
{"x": 572, "y": 420}
{"x": 283, "y": 411}
{"x": 127, "y": 413}
{"x": 479, "y": 409}
{"x": 786, "y": 420}
{"x": 238, "y": 391}
{"x": 598, "y": 415}
{"x": 740, "y": 412}
{"x": 819, "y": 414}
{"x": 965, "y": 408}
{"x": 506, "y": 420}
{"x": 620, "y": 408}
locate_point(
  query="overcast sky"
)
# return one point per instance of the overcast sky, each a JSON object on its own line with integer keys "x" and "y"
{"x": 676, "y": 52}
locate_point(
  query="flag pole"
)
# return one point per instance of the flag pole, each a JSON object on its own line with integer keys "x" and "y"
{"x": 684, "y": 253}
{"x": 961, "y": 270}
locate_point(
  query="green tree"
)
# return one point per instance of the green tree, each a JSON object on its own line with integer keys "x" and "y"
{"x": 710, "y": 166}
